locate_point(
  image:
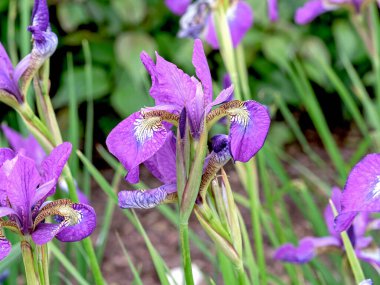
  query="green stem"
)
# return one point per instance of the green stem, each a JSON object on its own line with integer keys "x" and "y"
{"x": 27, "y": 256}
{"x": 254, "y": 199}
{"x": 352, "y": 258}
{"x": 185, "y": 251}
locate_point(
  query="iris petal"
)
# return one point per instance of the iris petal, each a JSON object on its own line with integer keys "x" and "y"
{"x": 145, "y": 199}
{"x": 306, "y": 250}
{"x": 5, "y": 246}
{"x": 362, "y": 190}
{"x": 202, "y": 70}
{"x": 136, "y": 139}
{"x": 84, "y": 226}
{"x": 249, "y": 128}
{"x": 310, "y": 11}
{"x": 178, "y": 7}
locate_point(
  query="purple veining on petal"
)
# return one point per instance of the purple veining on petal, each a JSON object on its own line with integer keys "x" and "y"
{"x": 136, "y": 139}
{"x": 6, "y": 154}
{"x": 163, "y": 163}
{"x": 178, "y": 7}
{"x": 5, "y": 247}
{"x": 249, "y": 128}
{"x": 362, "y": 189}
{"x": 40, "y": 19}
{"x": 145, "y": 199}
{"x": 195, "y": 112}
{"x": 45, "y": 232}
{"x": 83, "y": 228}
{"x": 22, "y": 179}
{"x": 170, "y": 85}
{"x": 53, "y": 164}
{"x": 202, "y": 70}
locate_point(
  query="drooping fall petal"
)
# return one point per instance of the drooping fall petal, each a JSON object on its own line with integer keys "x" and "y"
{"x": 135, "y": 140}
{"x": 145, "y": 199}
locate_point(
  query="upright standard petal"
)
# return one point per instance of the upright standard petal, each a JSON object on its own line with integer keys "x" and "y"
{"x": 170, "y": 85}
{"x": 7, "y": 80}
{"x": 250, "y": 123}
{"x": 310, "y": 11}
{"x": 22, "y": 179}
{"x": 202, "y": 70}
{"x": 136, "y": 139}
{"x": 52, "y": 166}
{"x": 145, "y": 199}
{"x": 28, "y": 146}
{"x": 178, "y": 7}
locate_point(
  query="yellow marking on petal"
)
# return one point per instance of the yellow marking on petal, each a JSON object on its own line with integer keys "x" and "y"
{"x": 239, "y": 115}
{"x": 62, "y": 208}
{"x": 145, "y": 128}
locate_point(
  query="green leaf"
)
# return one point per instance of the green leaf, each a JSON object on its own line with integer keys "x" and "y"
{"x": 100, "y": 87}
{"x": 130, "y": 11}
{"x": 71, "y": 15}
{"x": 129, "y": 97}
{"x": 347, "y": 41}
{"x": 128, "y": 47}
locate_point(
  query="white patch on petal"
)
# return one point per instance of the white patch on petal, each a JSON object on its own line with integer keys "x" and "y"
{"x": 145, "y": 128}
{"x": 371, "y": 253}
{"x": 375, "y": 193}
{"x": 239, "y": 116}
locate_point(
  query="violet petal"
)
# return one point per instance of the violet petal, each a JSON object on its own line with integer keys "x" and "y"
{"x": 163, "y": 163}
{"x": 6, "y": 154}
{"x": 22, "y": 179}
{"x": 145, "y": 199}
{"x": 178, "y": 7}
{"x": 249, "y": 129}
{"x": 52, "y": 166}
{"x": 81, "y": 230}
{"x": 45, "y": 232}
{"x": 309, "y": 11}
{"x": 136, "y": 139}
{"x": 240, "y": 20}
{"x": 5, "y": 247}
{"x": 28, "y": 146}
{"x": 272, "y": 10}
{"x": 306, "y": 250}
{"x": 202, "y": 70}
{"x": 370, "y": 255}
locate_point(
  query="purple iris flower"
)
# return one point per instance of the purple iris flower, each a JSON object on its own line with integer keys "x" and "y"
{"x": 163, "y": 166}
{"x": 44, "y": 45}
{"x": 313, "y": 8}
{"x": 272, "y": 10}
{"x": 23, "y": 193}
{"x": 141, "y": 135}
{"x": 309, "y": 247}
{"x": 197, "y": 19}
{"x": 30, "y": 147}
{"x": 361, "y": 192}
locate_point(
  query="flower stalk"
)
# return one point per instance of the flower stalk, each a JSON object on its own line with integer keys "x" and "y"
{"x": 351, "y": 256}
{"x": 27, "y": 256}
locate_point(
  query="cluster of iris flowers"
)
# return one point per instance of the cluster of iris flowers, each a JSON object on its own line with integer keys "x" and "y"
{"x": 184, "y": 112}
